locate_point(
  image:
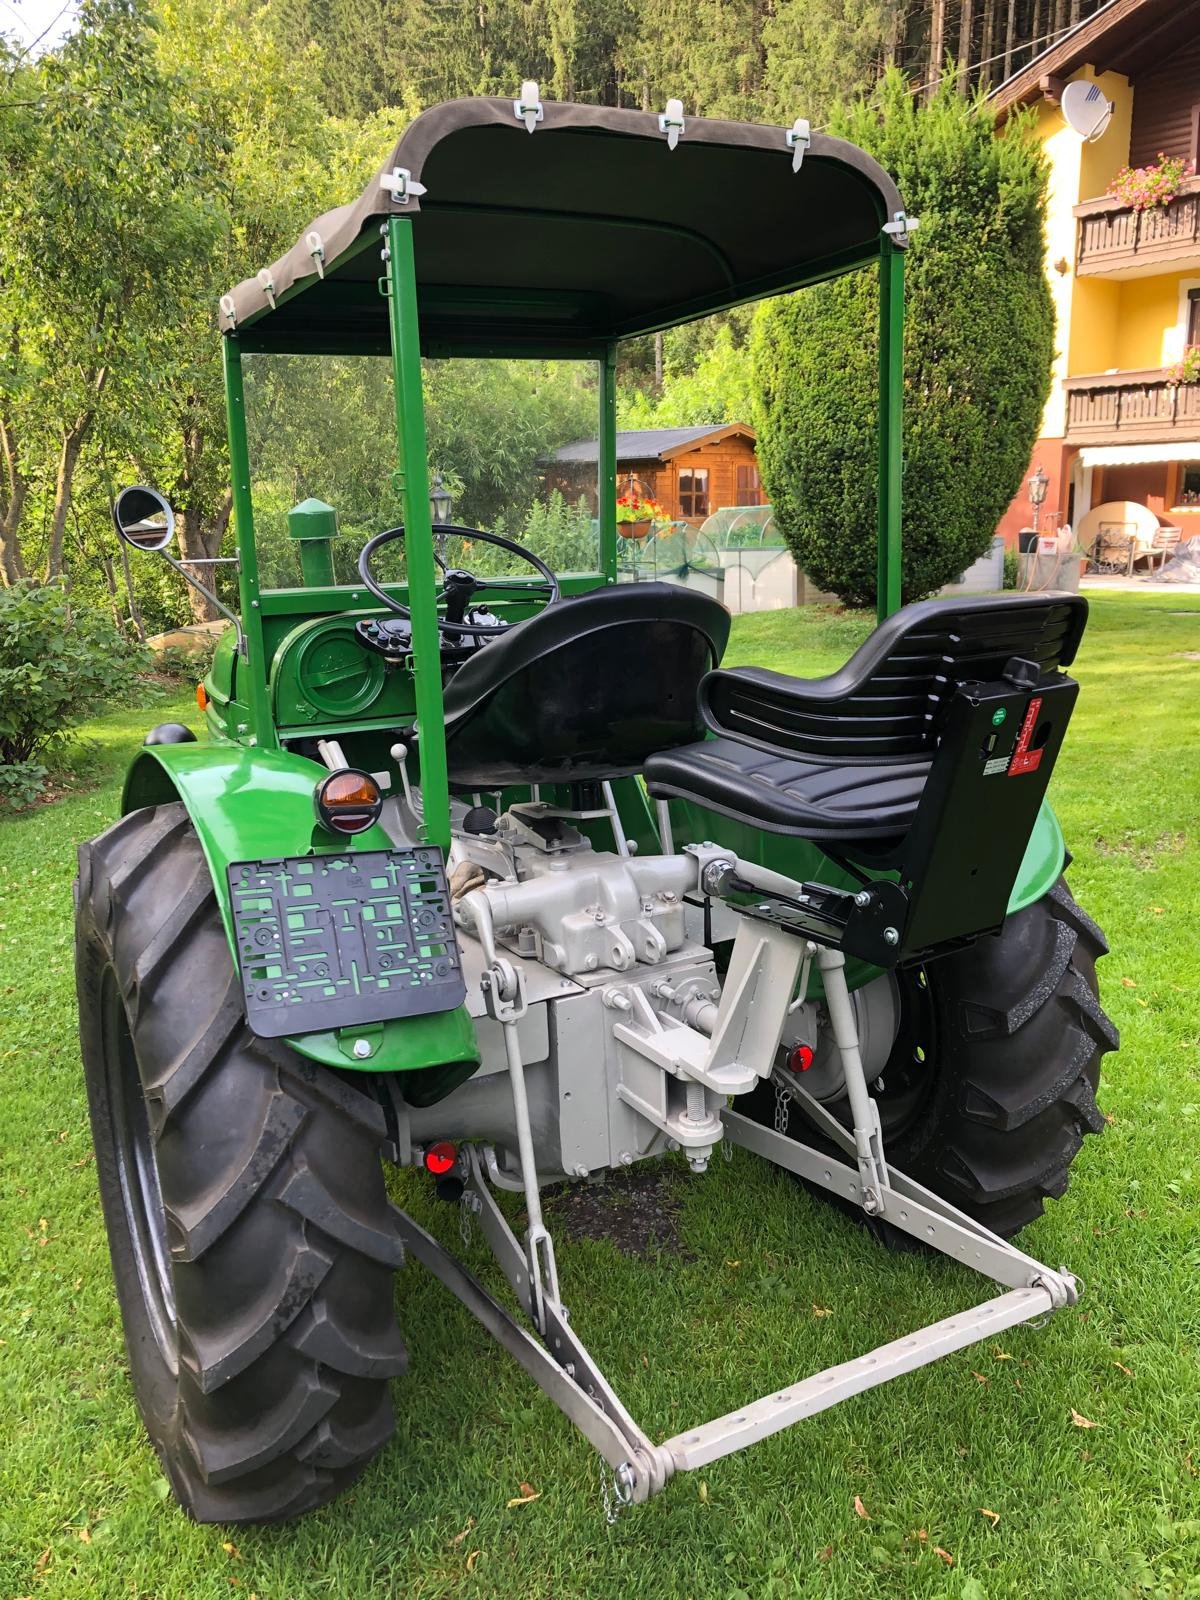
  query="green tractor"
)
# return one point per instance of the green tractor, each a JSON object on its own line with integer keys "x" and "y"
{"x": 491, "y": 870}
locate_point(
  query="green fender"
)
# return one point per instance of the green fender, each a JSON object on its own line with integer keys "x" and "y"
{"x": 1043, "y": 862}
{"x": 248, "y": 804}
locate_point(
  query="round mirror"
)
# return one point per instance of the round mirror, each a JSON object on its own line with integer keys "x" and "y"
{"x": 144, "y": 519}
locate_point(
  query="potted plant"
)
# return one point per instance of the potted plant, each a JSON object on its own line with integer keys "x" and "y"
{"x": 1187, "y": 368}
{"x": 1143, "y": 188}
{"x": 636, "y": 515}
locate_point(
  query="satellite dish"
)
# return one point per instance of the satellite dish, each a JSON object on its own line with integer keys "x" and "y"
{"x": 1085, "y": 110}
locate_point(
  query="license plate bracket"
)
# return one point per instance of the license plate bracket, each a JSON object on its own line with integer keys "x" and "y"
{"x": 336, "y": 941}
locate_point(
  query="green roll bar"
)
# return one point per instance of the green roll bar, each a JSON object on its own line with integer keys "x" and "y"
{"x": 418, "y": 529}
{"x": 261, "y": 731}
{"x": 891, "y": 426}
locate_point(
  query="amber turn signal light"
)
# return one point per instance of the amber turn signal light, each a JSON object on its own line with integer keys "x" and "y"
{"x": 348, "y": 801}
{"x": 201, "y": 697}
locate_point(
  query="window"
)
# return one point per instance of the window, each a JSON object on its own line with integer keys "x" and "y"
{"x": 749, "y": 486}
{"x": 693, "y": 492}
{"x": 1193, "y": 317}
{"x": 1189, "y": 482}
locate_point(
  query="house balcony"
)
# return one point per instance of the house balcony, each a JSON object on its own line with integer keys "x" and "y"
{"x": 1131, "y": 407}
{"x": 1115, "y": 241}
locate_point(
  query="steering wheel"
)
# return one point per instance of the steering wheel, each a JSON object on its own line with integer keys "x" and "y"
{"x": 459, "y": 586}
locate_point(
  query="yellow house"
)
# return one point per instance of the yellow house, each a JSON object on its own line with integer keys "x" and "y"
{"x": 1126, "y": 282}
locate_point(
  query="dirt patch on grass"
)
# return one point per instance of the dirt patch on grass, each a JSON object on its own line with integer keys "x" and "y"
{"x": 1144, "y": 854}
{"x": 636, "y": 1209}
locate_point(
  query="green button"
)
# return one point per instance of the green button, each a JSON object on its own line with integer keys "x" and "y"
{"x": 998, "y": 716}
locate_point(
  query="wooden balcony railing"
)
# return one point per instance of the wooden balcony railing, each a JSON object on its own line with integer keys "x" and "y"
{"x": 1137, "y": 407}
{"x": 1114, "y": 238}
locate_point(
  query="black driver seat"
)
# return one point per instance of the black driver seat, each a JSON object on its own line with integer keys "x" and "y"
{"x": 847, "y": 758}
{"x": 585, "y": 689}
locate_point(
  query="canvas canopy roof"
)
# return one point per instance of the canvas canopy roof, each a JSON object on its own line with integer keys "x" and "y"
{"x": 590, "y": 229}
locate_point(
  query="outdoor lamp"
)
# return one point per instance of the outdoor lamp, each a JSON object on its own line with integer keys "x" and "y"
{"x": 441, "y": 500}
{"x": 1038, "y": 484}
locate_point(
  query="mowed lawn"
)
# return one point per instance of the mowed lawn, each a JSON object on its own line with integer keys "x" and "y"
{"x": 1064, "y": 1463}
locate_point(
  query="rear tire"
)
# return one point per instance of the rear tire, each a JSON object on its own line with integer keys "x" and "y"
{"x": 991, "y": 1084}
{"x": 251, "y": 1238}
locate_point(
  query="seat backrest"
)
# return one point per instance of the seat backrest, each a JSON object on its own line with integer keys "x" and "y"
{"x": 586, "y": 689}
{"x": 890, "y": 698}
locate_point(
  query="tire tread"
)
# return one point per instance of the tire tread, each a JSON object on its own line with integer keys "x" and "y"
{"x": 281, "y": 1237}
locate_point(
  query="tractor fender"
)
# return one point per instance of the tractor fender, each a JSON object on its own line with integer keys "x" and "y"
{"x": 1043, "y": 862}
{"x": 248, "y": 804}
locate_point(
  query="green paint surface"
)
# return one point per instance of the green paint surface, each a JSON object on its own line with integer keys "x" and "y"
{"x": 251, "y": 805}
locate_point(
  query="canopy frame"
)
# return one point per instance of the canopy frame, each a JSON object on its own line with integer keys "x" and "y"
{"x": 534, "y": 322}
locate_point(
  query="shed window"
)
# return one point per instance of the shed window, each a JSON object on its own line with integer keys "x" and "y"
{"x": 693, "y": 492}
{"x": 749, "y": 486}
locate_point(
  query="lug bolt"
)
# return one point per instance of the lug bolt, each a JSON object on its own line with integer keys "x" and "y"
{"x": 863, "y": 897}
{"x": 890, "y": 936}
{"x": 362, "y": 1049}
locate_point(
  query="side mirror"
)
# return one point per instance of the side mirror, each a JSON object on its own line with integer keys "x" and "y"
{"x": 144, "y": 519}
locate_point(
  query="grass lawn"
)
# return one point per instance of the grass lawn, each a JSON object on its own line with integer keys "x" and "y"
{"x": 1107, "y": 1510}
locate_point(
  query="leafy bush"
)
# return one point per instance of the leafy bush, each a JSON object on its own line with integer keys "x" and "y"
{"x": 59, "y": 663}
{"x": 564, "y": 535}
{"x": 979, "y": 339}
{"x": 1012, "y": 569}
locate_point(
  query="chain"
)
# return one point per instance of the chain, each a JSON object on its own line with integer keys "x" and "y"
{"x": 782, "y": 1106}
{"x": 727, "y": 1150}
{"x": 465, "y": 1210}
{"x": 608, "y": 1501}
{"x": 616, "y": 1487}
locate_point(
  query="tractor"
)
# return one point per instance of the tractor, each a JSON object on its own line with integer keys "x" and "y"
{"x": 487, "y": 867}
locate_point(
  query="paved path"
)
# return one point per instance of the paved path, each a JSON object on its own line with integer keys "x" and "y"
{"x": 1099, "y": 583}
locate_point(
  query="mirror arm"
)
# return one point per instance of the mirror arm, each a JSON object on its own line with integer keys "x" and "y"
{"x": 209, "y": 596}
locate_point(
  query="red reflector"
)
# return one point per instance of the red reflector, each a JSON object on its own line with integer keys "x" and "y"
{"x": 440, "y": 1157}
{"x": 801, "y": 1058}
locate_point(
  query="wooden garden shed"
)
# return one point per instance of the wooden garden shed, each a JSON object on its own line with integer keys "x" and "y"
{"x": 691, "y": 472}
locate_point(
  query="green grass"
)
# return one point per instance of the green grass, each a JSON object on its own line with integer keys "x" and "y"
{"x": 1108, "y": 1511}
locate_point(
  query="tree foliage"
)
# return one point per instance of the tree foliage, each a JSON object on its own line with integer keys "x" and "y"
{"x": 978, "y": 347}
{"x": 49, "y": 648}
{"x": 713, "y": 386}
{"x": 168, "y": 148}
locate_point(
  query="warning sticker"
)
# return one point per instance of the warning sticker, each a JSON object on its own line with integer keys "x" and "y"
{"x": 994, "y": 767}
{"x": 1024, "y": 759}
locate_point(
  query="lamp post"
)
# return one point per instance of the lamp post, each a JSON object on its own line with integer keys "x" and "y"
{"x": 1038, "y": 484}
{"x": 441, "y": 500}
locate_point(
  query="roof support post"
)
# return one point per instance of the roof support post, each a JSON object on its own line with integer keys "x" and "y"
{"x": 258, "y": 697}
{"x": 413, "y": 479}
{"x": 891, "y": 426}
{"x": 607, "y": 485}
